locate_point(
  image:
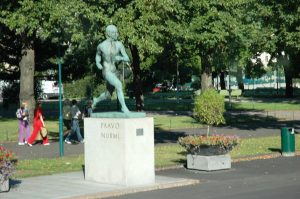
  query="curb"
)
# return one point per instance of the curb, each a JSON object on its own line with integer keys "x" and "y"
{"x": 169, "y": 167}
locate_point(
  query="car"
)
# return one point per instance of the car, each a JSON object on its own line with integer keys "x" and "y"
{"x": 50, "y": 89}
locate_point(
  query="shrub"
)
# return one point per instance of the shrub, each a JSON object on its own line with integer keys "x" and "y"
{"x": 83, "y": 88}
{"x": 209, "y": 107}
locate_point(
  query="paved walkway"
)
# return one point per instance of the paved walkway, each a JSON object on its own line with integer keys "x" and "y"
{"x": 73, "y": 185}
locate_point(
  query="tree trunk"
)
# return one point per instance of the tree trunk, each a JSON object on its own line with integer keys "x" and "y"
{"x": 291, "y": 70}
{"x": 288, "y": 73}
{"x": 239, "y": 78}
{"x": 288, "y": 86}
{"x": 27, "y": 68}
{"x": 139, "y": 98}
{"x": 206, "y": 79}
{"x": 206, "y": 73}
{"x": 222, "y": 80}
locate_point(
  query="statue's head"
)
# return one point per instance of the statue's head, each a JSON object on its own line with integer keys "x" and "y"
{"x": 112, "y": 32}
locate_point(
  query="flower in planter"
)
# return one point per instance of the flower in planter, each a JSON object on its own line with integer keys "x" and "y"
{"x": 8, "y": 162}
{"x": 208, "y": 145}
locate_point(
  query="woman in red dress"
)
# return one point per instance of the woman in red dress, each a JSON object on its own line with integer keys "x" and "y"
{"x": 38, "y": 123}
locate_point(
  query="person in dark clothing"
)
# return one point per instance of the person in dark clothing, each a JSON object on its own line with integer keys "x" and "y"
{"x": 76, "y": 116}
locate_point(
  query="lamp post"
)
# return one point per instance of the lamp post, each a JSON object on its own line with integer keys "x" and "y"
{"x": 229, "y": 88}
{"x": 177, "y": 82}
{"x": 277, "y": 80}
{"x": 61, "y": 143}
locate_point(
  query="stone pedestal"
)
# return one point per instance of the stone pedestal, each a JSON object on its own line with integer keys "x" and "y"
{"x": 119, "y": 150}
{"x": 208, "y": 163}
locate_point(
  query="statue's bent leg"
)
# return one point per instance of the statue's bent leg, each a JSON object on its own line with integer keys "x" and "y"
{"x": 103, "y": 96}
{"x": 113, "y": 80}
{"x": 120, "y": 95}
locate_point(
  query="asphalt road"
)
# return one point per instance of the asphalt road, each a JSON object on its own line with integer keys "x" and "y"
{"x": 262, "y": 179}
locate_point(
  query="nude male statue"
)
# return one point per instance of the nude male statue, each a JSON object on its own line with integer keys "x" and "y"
{"x": 109, "y": 53}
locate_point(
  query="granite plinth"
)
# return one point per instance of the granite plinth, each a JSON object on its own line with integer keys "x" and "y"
{"x": 119, "y": 150}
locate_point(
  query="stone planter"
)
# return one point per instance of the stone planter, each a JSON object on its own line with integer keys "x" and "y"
{"x": 208, "y": 163}
{"x": 4, "y": 186}
{"x": 209, "y": 158}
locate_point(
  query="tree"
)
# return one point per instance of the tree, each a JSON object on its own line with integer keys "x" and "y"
{"x": 33, "y": 24}
{"x": 281, "y": 20}
{"x": 9, "y": 45}
{"x": 215, "y": 29}
{"x": 12, "y": 15}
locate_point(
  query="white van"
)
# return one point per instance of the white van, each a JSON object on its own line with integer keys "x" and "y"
{"x": 50, "y": 89}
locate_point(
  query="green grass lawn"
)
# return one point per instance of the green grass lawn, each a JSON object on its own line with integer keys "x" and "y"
{"x": 9, "y": 130}
{"x": 165, "y": 155}
{"x": 267, "y": 105}
{"x": 37, "y": 167}
{"x": 248, "y": 104}
{"x": 175, "y": 122}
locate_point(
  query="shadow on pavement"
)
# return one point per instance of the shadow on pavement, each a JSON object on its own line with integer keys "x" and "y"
{"x": 14, "y": 183}
{"x": 161, "y": 136}
{"x": 275, "y": 150}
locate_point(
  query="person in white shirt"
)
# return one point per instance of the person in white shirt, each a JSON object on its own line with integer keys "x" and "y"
{"x": 76, "y": 115}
